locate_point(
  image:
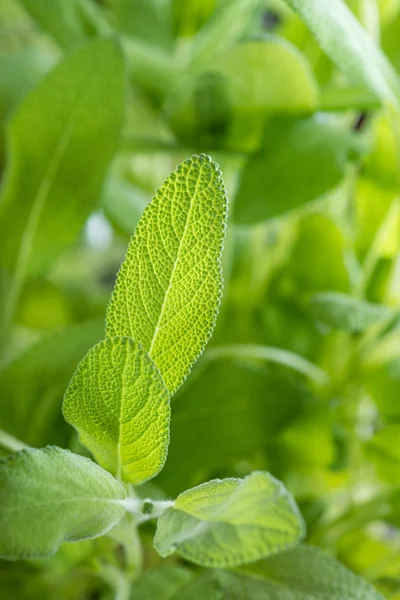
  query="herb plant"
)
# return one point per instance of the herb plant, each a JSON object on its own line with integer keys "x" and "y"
{"x": 216, "y": 417}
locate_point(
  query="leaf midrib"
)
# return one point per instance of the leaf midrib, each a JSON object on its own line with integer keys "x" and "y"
{"x": 176, "y": 262}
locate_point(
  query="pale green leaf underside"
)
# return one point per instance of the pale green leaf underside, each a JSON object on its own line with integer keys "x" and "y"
{"x": 49, "y": 496}
{"x": 169, "y": 287}
{"x": 225, "y": 523}
{"x": 346, "y": 312}
{"x": 119, "y": 405}
{"x": 349, "y": 46}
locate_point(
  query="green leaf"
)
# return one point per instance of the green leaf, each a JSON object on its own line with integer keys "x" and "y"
{"x": 269, "y": 75}
{"x": 349, "y": 46}
{"x": 303, "y": 573}
{"x": 169, "y": 287}
{"x": 342, "y": 311}
{"x": 61, "y": 141}
{"x": 300, "y": 161}
{"x": 164, "y": 582}
{"x": 49, "y": 496}
{"x": 119, "y": 405}
{"x": 32, "y": 385}
{"x": 63, "y": 20}
{"x": 228, "y": 522}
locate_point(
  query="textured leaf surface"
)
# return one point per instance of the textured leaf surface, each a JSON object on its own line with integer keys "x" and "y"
{"x": 348, "y": 45}
{"x": 61, "y": 142}
{"x": 345, "y": 312}
{"x": 224, "y": 523}
{"x": 169, "y": 287}
{"x": 50, "y": 496}
{"x": 120, "y": 407}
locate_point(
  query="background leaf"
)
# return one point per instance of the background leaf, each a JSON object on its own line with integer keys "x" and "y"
{"x": 345, "y": 312}
{"x": 61, "y": 141}
{"x": 224, "y": 523}
{"x": 50, "y": 496}
{"x": 119, "y": 405}
{"x": 349, "y": 46}
{"x": 169, "y": 287}
{"x": 300, "y": 161}
{"x": 33, "y": 384}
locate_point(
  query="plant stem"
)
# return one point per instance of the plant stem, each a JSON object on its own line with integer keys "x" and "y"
{"x": 9, "y": 442}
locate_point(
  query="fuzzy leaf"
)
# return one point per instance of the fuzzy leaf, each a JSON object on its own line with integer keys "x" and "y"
{"x": 49, "y": 496}
{"x": 225, "y": 523}
{"x": 120, "y": 407}
{"x": 169, "y": 287}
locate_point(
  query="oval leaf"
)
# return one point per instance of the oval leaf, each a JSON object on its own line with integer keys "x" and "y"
{"x": 169, "y": 287}
{"x": 49, "y": 496}
{"x": 225, "y": 523}
{"x": 119, "y": 405}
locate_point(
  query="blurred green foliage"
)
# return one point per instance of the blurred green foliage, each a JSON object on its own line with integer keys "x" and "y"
{"x": 302, "y": 376}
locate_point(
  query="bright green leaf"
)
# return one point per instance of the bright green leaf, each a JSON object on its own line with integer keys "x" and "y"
{"x": 349, "y": 46}
{"x": 169, "y": 287}
{"x": 342, "y": 311}
{"x": 50, "y": 496}
{"x": 119, "y": 405}
{"x": 300, "y": 161}
{"x": 228, "y": 522}
{"x": 61, "y": 141}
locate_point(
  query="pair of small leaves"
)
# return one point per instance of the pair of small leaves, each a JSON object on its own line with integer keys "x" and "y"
{"x": 220, "y": 523}
{"x": 166, "y": 299}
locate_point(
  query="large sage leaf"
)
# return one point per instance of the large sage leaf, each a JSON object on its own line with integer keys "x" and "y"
{"x": 119, "y": 405}
{"x": 169, "y": 287}
{"x": 224, "y": 523}
{"x": 349, "y": 46}
{"x": 61, "y": 141}
{"x": 50, "y": 496}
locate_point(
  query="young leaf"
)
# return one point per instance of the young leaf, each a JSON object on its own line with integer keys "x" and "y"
{"x": 349, "y": 46}
{"x": 169, "y": 287}
{"x": 225, "y": 523}
{"x": 49, "y": 496}
{"x": 344, "y": 312}
{"x": 119, "y": 405}
{"x": 61, "y": 140}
